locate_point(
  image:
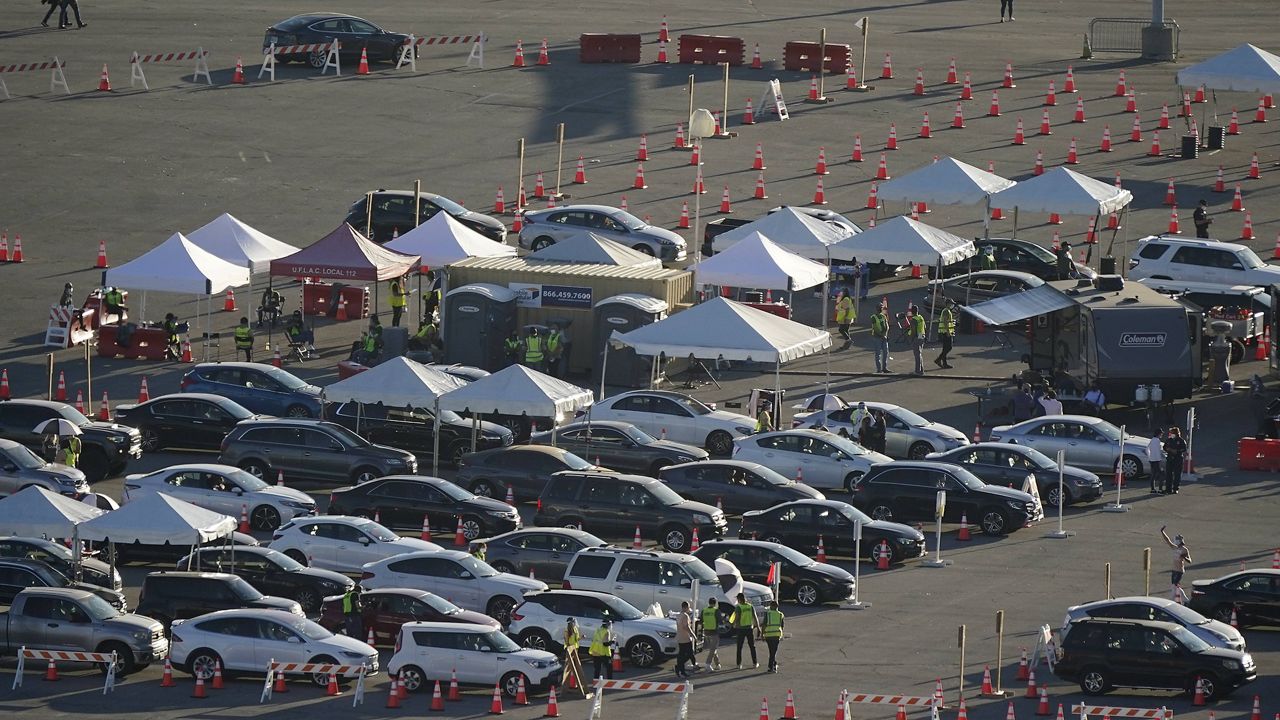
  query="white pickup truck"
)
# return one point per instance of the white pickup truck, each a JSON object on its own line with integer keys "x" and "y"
{"x": 77, "y": 620}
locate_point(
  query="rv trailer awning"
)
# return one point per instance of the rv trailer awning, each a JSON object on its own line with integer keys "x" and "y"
{"x": 1028, "y": 304}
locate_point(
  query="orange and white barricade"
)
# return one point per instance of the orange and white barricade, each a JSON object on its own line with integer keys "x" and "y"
{"x": 64, "y": 329}
{"x": 597, "y": 703}
{"x": 201, "y": 57}
{"x": 54, "y": 656}
{"x": 409, "y": 56}
{"x": 329, "y": 49}
{"x": 279, "y": 670}
{"x": 906, "y": 701}
{"x": 1159, "y": 713}
{"x": 56, "y": 78}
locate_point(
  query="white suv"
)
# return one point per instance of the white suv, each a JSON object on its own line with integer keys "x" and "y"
{"x": 341, "y": 543}
{"x": 539, "y": 622}
{"x": 645, "y": 578}
{"x": 1208, "y": 261}
{"x": 430, "y": 651}
{"x": 456, "y": 576}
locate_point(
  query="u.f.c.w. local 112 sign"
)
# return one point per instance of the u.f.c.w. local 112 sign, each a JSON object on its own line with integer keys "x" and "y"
{"x": 534, "y": 295}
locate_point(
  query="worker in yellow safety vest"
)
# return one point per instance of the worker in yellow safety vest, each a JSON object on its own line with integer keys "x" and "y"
{"x": 773, "y": 622}
{"x": 764, "y": 419}
{"x": 745, "y": 626}
{"x": 571, "y": 640}
{"x": 709, "y": 626}
{"x": 600, "y": 650}
{"x": 399, "y": 298}
{"x": 511, "y": 346}
{"x": 946, "y": 332}
{"x": 917, "y": 331}
{"x": 880, "y": 336}
{"x": 534, "y": 349}
{"x": 846, "y": 313}
{"x": 244, "y": 339}
{"x": 555, "y": 351}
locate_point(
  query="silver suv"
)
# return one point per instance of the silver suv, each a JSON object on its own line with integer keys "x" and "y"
{"x": 311, "y": 449}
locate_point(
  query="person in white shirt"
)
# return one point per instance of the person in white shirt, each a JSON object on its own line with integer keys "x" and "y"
{"x": 1095, "y": 400}
{"x": 1051, "y": 404}
{"x": 1155, "y": 456}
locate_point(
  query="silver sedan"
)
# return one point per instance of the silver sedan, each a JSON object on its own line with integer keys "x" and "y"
{"x": 907, "y": 435}
{"x": 1087, "y": 442}
{"x": 547, "y": 227}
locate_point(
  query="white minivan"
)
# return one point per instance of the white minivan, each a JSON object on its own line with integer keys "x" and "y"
{"x": 1199, "y": 260}
{"x": 431, "y": 651}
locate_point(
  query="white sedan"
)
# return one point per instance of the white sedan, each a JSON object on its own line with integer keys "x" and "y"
{"x": 676, "y": 416}
{"x": 225, "y": 489}
{"x": 342, "y": 543}
{"x": 907, "y": 436}
{"x": 246, "y": 640}
{"x": 456, "y": 576}
{"x": 817, "y": 458}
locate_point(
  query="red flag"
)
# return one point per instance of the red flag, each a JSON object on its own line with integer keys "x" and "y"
{"x": 769, "y": 578}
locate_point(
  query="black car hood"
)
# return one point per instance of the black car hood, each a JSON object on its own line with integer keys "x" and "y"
{"x": 483, "y": 503}
{"x": 482, "y": 219}
{"x": 802, "y": 491}
{"x": 108, "y": 428}
{"x": 326, "y": 575}
{"x": 695, "y": 506}
{"x": 831, "y": 571}
{"x": 892, "y": 529}
{"x": 271, "y": 602}
{"x": 1007, "y": 493}
{"x": 678, "y": 447}
{"x": 386, "y": 451}
{"x": 491, "y": 428}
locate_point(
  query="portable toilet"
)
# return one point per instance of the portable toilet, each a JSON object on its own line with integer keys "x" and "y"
{"x": 624, "y": 313}
{"x": 478, "y": 318}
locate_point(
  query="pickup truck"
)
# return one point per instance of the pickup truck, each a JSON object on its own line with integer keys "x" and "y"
{"x": 78, "y": 620}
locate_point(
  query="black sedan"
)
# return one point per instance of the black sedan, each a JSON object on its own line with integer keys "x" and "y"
{"x": 806, "y": 581}
{"x": 546, "y": 552}
{"x": 393, "y": 211}
{"x": 620, "y": 446}
{"x": 92, "y": 570}
{"x": 413, "y": 429}
{"x": 401, "y": 501}
{"x": 355, "y": 34}
{"x": 734, "y": 486}
{"x": 981, "y": 286}
{"x": 1253, "y": 594}
{"x": 1007, "y": 464}
{"x": 183, "y": 420}
{"x": 524, "y": 469}
{"x": 271, "y": 573}
{"x": 1013, "y": 254}
{"x": 799, "y": 524}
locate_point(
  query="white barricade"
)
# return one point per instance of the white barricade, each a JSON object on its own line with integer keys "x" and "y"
{"x": 274, "y": 668}
{"x": 56, "y": 78}
{"x": 1122, "y": 712}
{"x": 109, "y": 659}
{"x": 269, "y": 56}
{"x": 201, "y": 57}
{"x": 600, "y": 685}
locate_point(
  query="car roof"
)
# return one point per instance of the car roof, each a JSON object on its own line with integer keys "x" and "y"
{"x": 447, "y": 627}
{"x": 802, "y": 432}
{"x": 632, "y": 552}
{"x": 6, "y": 444}
{"x": 28, "y": 539}
{"x": 344, "y": 519}
{"x": 190, "y": 574}
{"x": 306, "y": 422}
{"x": 619, "y": 477}
{"x": 1197, "y": 242}
{"x": 1141, "y": 599}
{"x": 1010, "y": 447}
{"x": 744, "y": 464}
{"x": 401, "y": 193}
{"x": 532, "y": 448}
{"x": 424, "y": 479}
{"x": 608, "y": 209}
{"x": 615, "y": 424}
{"x": 1086, "y": 419}
{"x": 563, "y": 591}
{"x": 251, "y": 549}
{"x": 739, "y": 541}
{"x": 1258, "y": 571}
{"x": 242, "y": 365}
{"x": 207, "y": 397}
{"x": 39, "y": 403}
{"x": 1015, "y": 274}
{"x": 536, "y": 530}
{"x": 197, "y": 467}
{"x": 446, "y": 554}
{"x": 656, "y": 393}
{"x": 1158, "y": 624}
{"x": 1007, "y": 241}
{"x": 283, "y": 616}
{"x": 919, "y": 464}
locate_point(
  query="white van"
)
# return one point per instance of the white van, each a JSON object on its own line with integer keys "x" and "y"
{"x": 430, "y": 651}
{"x": 1162, "y": 257}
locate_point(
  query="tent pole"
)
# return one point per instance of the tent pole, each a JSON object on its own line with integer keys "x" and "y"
{"x": 1015, "y": 223}
{"x": 435, "y": 440}
{"x": 475, "y": 430}
{"x": 826, "y": 292}
{"x": 986, "y": 220}
{"x": 604, "y": 369}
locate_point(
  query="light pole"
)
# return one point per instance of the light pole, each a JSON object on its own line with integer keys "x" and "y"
{"x": 702, "y": 124}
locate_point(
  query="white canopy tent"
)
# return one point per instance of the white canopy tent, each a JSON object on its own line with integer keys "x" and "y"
{"x": 443, "y": 241}
{"x": 1063, "y": 191}
{"x": 36, "y": 512}
{"x": 230, "y": 239}
{"x": 1244, "y": 69}
{"x": 158, "y": 519}
{"x": 755, "y": 261}
{"x": 945, "y": 182}
{"x": 903, "y": 241}
{"x": 517, "y": 390}
{"x": 592, "y": 249}
{"x": 802, "y": 234}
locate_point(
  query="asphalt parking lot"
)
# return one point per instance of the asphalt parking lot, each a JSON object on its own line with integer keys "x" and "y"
{"x": 289, "y": 157}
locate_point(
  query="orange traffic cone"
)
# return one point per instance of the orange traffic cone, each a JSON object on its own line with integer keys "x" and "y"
{"x": 237, "y": 78}
{"x": 1246, "y": 233}
{"x": 229, "y": 303}
{"x": 519, "y": 60}
{"x": 437, "y": 699}
{"x": 166, "y": 680}
{"x": 104, "y": 82}
{"x": 1254, "y": 170}
{"x": 104, "y": 410}
{"x": 1155, "y": 145}
{"x": 580, "y": 174}
{"x": 553, "y": 707}
{"x": 789, "y": 711}
{"x": 61, "y": 393}
{"x": 454, "y": 693}
{"x": 1042, "y": 708}
{"x": 1022, "y": 666}
{"x": 363, "y": 68}
{"x": 901, "y": 714}
{"x": 217, "y": 675}
{"x": 1072, "y": 157}
{"x": 495, "y": 707}
{"x": 1174, "y": 228}
{"x": 662, "y": 51}
{"x": 544, "y": 57}
{"x": 966, "y": 91}
{"x": 499, "y": 203}
{"x": 724, "y": 201}
{"x": 679, "y": 142}
{"x": 882, "y": 172}
{"x": 1079, "y": 116}
{"x": 821, "y": 167}
{"x": 694, "y": 543}
{"x": 4, "y": 385}
{"x": 281, "y": 686}
{"x": 51, "y": 672}
{"x": 857, "y": 149}
{"x": 760, "y": 193}
{"x": 521, "y": 697}
{"x": 1032, "y": 690}
{"x": 1039, "y": 166}
{"x": 617, "y": 660}
{"x": 1008, "y": 76}
{"x": 964, "y": 528}
{"x": 957, "y": 120}
{"x": 244, "y": 519}
{"x": 994, "y": 110}
{"x": 756, "y": 63}
{"x": 883, "y": 554}
{"x": 873, "y": 202}
{"x": 143, "y": 394}
{"x": 1135, "y": 134}
{"x": 102, "y": 255}
{"x": 636, "y": 542}
{"x": 186, "y": 352}
{"x": 987, "y": 688}
{"x": 819, "y": 194}
{"x": 199, "y": 693}
{"x": 764, "y": 708}
{"x": 1070, "y": 85}
{"x": 749, "y": 115}
{"x": 1106, "y": 139}
{"x": 840, "y": 702}
{"x": 892, "y": 142}
{"x": 458, "y": 537}
{"x": 919, "y": 87}
{"x": 1257, "y": 709}
{"x": 1170, "y": 197}
{"x": 332, "y": 689}
{"x": 1131, "y": 103}
{"x": 925, "y": 130}
{"x": 393, "y": 693}
{"x": 17, "y": 248}
{"x": 822, "y": 551}
{"x": 1051, "y": 97}
{"x": 886, "y": 70}
{"x": 964, "y": 711}
{"x": 276, "y": 360}
{"x": 1198, "y": 699}
{"x": 684, "y": 215}
{"x": 1019, "y": 134}
{"x": 1045, "y": 127}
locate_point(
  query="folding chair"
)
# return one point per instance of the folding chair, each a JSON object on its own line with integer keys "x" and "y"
{"x": 1000, "y": 339}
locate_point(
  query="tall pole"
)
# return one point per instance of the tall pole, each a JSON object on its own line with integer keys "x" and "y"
{"x": 826, "y": 293}
{"x": 368, "y": 213}
{"x": 866, "y": 29}
{"x": 724, "y": 124}
{"x": 822, "y": 63}
{"x": 688, "y": 117}
{"x": 559, "y": 157}
{"x": 417, "y": 202}
{"x": 519, "y": 174}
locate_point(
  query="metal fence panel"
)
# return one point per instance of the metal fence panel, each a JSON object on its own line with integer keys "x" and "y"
{"x": 1123, "y": 35}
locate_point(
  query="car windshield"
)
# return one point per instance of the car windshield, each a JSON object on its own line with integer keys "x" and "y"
{"x": 97, "y": 608}
{"x": 621, "y": 609}
{"x": 247, "y": 482}
{"x": 287, "y": 379}
{"x": 700, "y": 572}
{"x": 909, "y": 417}
{"x": 440, "y": 605}
{"x": 637, "y": 436}
{"x": 285, "y": 562}
{"x": 576, "y": 463}
{"x": 664, "y": 494}
{"x": 1185, "y": 615}
{"x": 967, "y": 478}
{"x": 852, "y": 513}
{"x": 476, "y": 567}
{"x": 629, "y": 221}
{"x": 453, "y": 491}
{"x": 376, "y": 531}
{"x": 1107, "y": 430}
{"x": 1250, "y": 259}
{"x": 447, "y": 416}
{"x": 310, "y": 630}
{"x": 74, "y": 416}
{"x": 773, "y": 477}
{"x": 1040, "y": 253}
{"x": 1038, "y": 458}
{"x": 499, "y": 642}
{"x": 690, "y": 404}
{"x": 345, "y": 436}
{"x": 24, "y": 458}
{"x": 244, "y": 591}
{"x": 795, "y": 557}
{"x": 448, "y": 205}
{"x": 846, "y": 444}
{"x": 1188, "y": 639}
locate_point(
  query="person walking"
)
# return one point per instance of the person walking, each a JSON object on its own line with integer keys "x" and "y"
{"x": 846, "y": 314}
{"x": 1155, "y": 456}
{"x": 511, "y": 346}
{"x": 684, "y": 640}
{"x": 353, "y": 613}
{"x": 1006, "y": 5}
{"x": 601, "y": 641}
{"x": 774, "y": 621}
{"x": 1023, "y": 404}
{"x": 555, "y": 351}
{"x": 244, "y": 339}
{"x": 880, "y": 428}
{"x": 571, "y": 640}
{"x": 709, "y": 626}
{"x": 1175, "y": 451}
{"x": 880, "y": 336}
{"x": 1201, "y": 219}
{"x": 946, "y": 333}
{"x": 398, "y": 300}
{"x": 745, "y": 627}
{"x": 1181, "y": 556}
{"x": 917, "y": 332}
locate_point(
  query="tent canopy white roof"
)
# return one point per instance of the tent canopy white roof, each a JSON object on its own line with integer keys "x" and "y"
{"x": 179, "y": 266}
{"x": 945, "y": 182}
{"x": 398, "y": 382}
{"x": 802, "y": 234}
{"x": 592, "y": 249}
{"x": 237, "y": 243}
{"x": 517, "y": 389}
{"x": 36, "y": 512}
{"x": 723, "y": 328}
{"x": 903, "y": 241}
{"x": 443, "y": 241}
{"x": 1063, "y": 191}
{"x": 1244, "y": 69}
{"x": 758, "y": 262}
{"x": 158, "y": 519}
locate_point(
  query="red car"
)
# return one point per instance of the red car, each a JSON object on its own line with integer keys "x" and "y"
{"x": 387, "y": 609}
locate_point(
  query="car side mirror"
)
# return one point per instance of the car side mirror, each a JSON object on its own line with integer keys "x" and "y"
{"x": 485, "y": 648}
{"x": 11, "y": 468}
{"x": 238, "y": 491}
{"x": 364, "y": 540}
{"x": 686, "y": 582}
{"x": 466, "y": 575}
{"x": 294, "y": 639}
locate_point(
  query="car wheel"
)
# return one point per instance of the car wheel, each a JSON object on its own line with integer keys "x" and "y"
{"x": 298, "y": 557}
{"x": 772, "y": 539}
{"x": 483, "y": 488}
{"x": 642, "y": 248}
{"x": 643, "y": 652}
{"x": 365, "y": 473}
{"x": 540, "y": 242}
{"x": 503, "y": 566}
{"x": 264, "y": 517}
{"x": 412, "y": 678}
{"x": 94, "y": 464}
{"x": 499, "y": 608}
{"x": 994, "y": 522}
{"x": 1054, "y": 498}
{"x": 1131, "y": 467}
{"x": 719, "y": 442}
{"x": 1237, "y": 351}
{"x": 472, "y": 528}
{"x": 1208, "y": 683}
{"x": 309, "y": 599}
{"x": 256, "y": 468}
{"x": 298, "y": 411}
{"x": 1093, "y": 681}
{"x": 150, "y": 440}
{"x": 881, "y": 511}
{"x": 201, "y": 663}
{"x": 572, "y": 523}
{"x": 675, "y": 538}
{"x": 807, "y": 593}
{"x": 456, "y": 451}
{"x": 918, "y": 450}
{"x": 320, "y": 679}
{"x": 538, "y": 639}
{"x": 317, "y": 58}
{"x": 511, "y": 683}
{"x": 851, "y": 480}
{"x": 124, "y": 665}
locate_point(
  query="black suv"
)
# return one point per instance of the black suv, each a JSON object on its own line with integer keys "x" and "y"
{"x": 17, "y": 575}
{"x": 107, "y": 447}
{"x": 393, "y": 210}
{"x": 1105, "y": 653}
{"x": 522, "y": 470}
{"x": 413, "y": 429}
{"x": 311, "y": 449}
{"x": 401, "y": 501}
{"x": 169, "y": 596}
{"x": 1013, "y": 254}
{"x": 615, "y": 505}
{"x": 270, "y": 571}
{"x": 907, "y": 490}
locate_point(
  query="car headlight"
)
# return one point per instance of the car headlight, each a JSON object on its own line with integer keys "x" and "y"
{"x": 1231, "y": 664}
{"x": 667, "y": 635}
{"x": 1017, "y": 504}
{"x": 1248, "y": 660}
{"x": 395, "y": 462}
{"x": 743, "y": 430}
{"x": 699, "y": 518}
{"x": 118, "y": 440}
{"x": 61, "y": 480}
{"x": 297, "y": 505}
{"x": 683, "y": 459}
{"x": 665, "y": 241}
{"x": 498, "y": 513}
{"x": 540, "y": 664}
{"x": 352, "y": 655}
{"x": 907, "y": 541}
{"x": 142, "y": 636}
